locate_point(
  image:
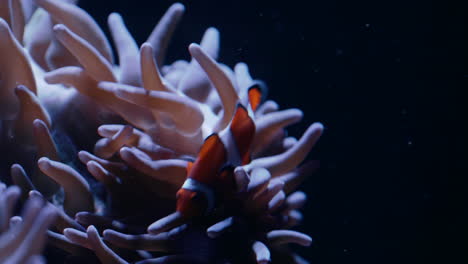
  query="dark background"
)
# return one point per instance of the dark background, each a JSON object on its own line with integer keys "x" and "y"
{"x": 386, "y": 79}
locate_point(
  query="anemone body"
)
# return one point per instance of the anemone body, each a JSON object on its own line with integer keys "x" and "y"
{"x": 98, "y": 151}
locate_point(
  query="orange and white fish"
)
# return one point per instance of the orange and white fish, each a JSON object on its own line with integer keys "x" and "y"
{"x": 212, "y": 171}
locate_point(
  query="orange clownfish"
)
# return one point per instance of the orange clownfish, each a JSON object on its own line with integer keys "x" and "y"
{"x": 212, "y": 171}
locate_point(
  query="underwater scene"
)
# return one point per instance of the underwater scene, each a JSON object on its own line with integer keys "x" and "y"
{"x": 231, "y": 132}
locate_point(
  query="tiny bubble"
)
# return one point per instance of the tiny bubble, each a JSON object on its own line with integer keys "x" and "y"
{"x": 410, "y": 143}
{"x": 345, "y": 250}
{"x": 367, "y": 25}
{"x": 339, "y": 52}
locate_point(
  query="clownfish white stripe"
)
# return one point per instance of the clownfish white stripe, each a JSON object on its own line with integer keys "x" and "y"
{"x": 233, "y": 155}
{"x": 201, "y": 188}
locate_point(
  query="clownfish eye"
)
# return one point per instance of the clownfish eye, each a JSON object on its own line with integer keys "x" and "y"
{"x": 198, "y": 198}
{"x": 184, "y": 194}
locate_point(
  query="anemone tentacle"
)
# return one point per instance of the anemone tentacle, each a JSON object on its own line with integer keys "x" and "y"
{"x": 141, "y": 162}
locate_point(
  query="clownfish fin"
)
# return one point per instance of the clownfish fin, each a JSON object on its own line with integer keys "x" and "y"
{"x": 255, "y": 96}
{"x": 210, "y": 160}
{"x": 243, "y": 130}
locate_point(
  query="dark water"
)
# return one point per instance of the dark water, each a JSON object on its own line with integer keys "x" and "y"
{"x": 385, "y": 78}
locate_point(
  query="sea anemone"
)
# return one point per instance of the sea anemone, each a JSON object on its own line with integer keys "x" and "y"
{"x": 190, "y": 163}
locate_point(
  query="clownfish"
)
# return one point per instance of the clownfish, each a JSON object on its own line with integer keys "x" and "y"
{"x": 212, "y": 171}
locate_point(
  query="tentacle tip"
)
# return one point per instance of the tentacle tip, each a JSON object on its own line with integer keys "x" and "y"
{"x": 113, "y": 17}
{"x": 155, "y": 228}
{"x": 34, "y": 194}
{"x": 44, "y": 163}
{"x": 4, "y": 28}
{"x": 16, "y": 166}
{"x": 125, "y": 153}
{"x": 307, "y": 241}
{"x": 146, "y": 47}
{"x": 107, "y": 233}
{"x": 300, "y": 194}
{"x": 125, "y": 149}
{"x": 212, "y": 30}
{"x": 108, "y": 86}
{"x": 178, "y": 7}
{"x": 260, "y": 172}
{"x": 67, "y": 231}
{"x": 82, "y": 218}
{"x": 20, "y": 89}
{"x": 93, "y": 167}
{"x": 38, "y": 123}
{"x": 82, "y": 156}
{"x": 16, "y": 219}
{"x": 91, "y": 163}
{"x": 101, "y": 131}
{"x": 241, "y": 66}
{"x": 194, "y": 49}
{"x": 60, "y": 28}
{"x": 80, "y": 214}
{"x": 318, "y": 126}
{"x": 298, "y": 113}
{"x": 36, "y": 199}
{"x": 91, "y": 230}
